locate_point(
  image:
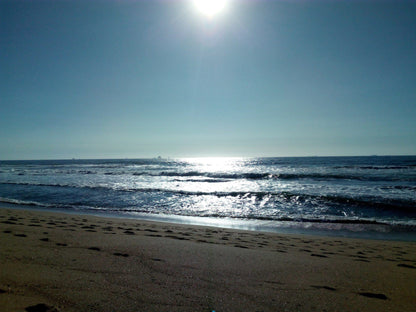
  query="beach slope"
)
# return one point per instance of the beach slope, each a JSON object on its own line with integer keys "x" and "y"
{"x": 83, "y": 263}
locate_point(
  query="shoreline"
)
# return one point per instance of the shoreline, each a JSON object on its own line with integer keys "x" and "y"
{"x": 89, "y": 263}
{"x": 359, "y": 230}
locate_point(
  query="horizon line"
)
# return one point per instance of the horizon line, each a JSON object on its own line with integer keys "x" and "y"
{"x": 184, "y": 157}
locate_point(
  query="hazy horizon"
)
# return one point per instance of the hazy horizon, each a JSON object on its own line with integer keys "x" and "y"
{"x": 139, "y": 79}
{"x": 163, "y": 158}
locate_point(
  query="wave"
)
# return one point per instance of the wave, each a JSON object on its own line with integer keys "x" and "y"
{"x": 277, "y": 176}
{"x": 399, "y": 187}
{"x": 207, "y": 180}
{"x": 223, "y": 176}
{"x": 381, "y": 167}
{"x": 59, "y": 185}
{"x": 33, "y": 203}
{"x": 284, "y": 198}
{"x": 403, "y": 225}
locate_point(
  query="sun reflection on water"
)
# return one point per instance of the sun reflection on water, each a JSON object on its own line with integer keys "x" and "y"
{"x": 214, "y": 169}
{"x": 216, "y": 164}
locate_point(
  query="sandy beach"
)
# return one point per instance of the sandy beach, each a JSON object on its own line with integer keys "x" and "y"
{"x": 65, "y": 262}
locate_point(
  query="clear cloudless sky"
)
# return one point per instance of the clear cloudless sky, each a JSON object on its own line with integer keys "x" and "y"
{"x": 115, "y": 79}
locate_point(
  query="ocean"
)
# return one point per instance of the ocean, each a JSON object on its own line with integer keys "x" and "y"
{"x": 350, "y": 196}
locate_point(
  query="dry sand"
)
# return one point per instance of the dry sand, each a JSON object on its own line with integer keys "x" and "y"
{"x": 84, "y": 263}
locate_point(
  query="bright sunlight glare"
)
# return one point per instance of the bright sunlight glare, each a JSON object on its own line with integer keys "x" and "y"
{"x": 210, "y": 8}
{"x": 215, "y": 164}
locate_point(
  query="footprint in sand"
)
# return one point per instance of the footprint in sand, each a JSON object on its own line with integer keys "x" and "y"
{"x": 120, "y": 254}
{"x": 404, "y": 265}
{"x": 94, "y": 248}
{"x": 9, "y": 222}
{"x": 41, "y": 307}
{"x": 153, "y": 231}
{"x": 153, "y": 235}
{"x": 241, "y": 246}
{"x": 373, "y": 295}
{"x": 176, "y": 237}
{"x": 324, "y": 287}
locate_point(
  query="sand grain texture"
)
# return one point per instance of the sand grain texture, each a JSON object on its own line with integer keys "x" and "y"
{"x": 83, "y": 263}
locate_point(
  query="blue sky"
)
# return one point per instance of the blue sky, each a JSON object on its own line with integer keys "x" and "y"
{"x": 110, "y": 79}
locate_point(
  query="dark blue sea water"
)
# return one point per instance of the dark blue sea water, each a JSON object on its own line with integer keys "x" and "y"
{"x": 348, "y": 194}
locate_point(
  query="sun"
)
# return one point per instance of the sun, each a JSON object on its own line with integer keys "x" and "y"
{"x": 210, "y": 8}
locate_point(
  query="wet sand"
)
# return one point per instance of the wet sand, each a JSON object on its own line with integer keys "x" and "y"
{"x": 68, "y": 262}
